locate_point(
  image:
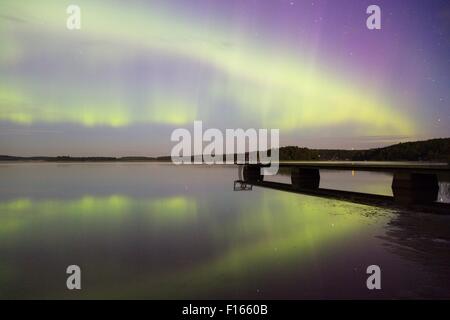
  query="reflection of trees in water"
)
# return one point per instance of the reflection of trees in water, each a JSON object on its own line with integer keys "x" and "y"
{"x": 444, "y": 192}
{"x": 423, "y": 239}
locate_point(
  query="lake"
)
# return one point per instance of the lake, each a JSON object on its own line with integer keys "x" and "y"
{"x": 158, "y": 231}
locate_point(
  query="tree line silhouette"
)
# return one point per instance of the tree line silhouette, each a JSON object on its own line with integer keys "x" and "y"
{"x": 436, "y": 150}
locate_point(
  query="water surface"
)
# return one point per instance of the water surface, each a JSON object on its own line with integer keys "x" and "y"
{"x": 147, "y": 230}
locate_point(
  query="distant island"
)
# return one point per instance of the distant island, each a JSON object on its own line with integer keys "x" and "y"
{"x": 434, "y": 150}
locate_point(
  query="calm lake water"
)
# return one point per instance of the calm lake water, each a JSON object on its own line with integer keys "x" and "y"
{"x": 147, "y": 230}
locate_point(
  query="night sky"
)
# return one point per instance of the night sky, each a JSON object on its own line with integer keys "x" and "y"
{"x": 139, "y": 69}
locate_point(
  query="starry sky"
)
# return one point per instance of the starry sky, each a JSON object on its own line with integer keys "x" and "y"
{"x": 136, "y": 70}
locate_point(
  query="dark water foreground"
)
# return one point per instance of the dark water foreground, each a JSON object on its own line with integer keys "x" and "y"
{"x": 143, "y": 230}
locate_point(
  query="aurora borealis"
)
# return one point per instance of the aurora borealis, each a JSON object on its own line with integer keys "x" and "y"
{"x": 138, "y": 69}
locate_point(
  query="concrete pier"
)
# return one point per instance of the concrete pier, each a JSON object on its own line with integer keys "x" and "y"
{"x": 413, "y": 185}
{"x": 305, "y": 178}
{"x": 411, "y": 188}
{"x": 252, "y": 174}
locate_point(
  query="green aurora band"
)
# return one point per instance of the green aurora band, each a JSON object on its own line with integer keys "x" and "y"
{"x": 269, "y": 85}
